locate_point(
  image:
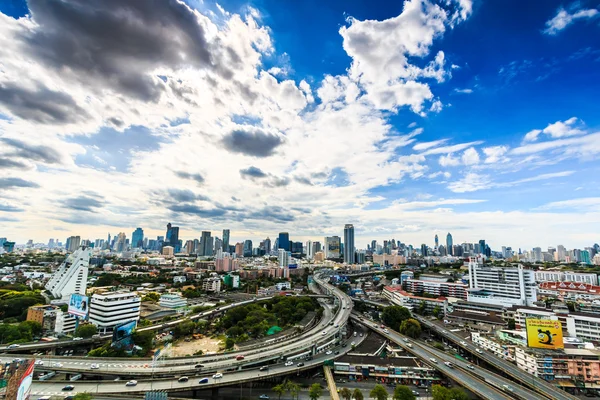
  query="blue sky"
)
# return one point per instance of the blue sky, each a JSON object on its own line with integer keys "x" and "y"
{"x": 405, "y": 118}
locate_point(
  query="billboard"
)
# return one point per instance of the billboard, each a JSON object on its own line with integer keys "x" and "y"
{"x": 544, "y": 334}
{"x": 122, "y": 335}
{"x": 293, "y": 266}
{"x": 79, "y": 305}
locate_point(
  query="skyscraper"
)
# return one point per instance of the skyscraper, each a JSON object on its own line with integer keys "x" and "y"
{"x": 248, "y": 248}
{"x": 172, "y": 236}
{"x": 309, "y": 250}
{"x": 424, "y": 250}
{"x": 73, "y": 243}
{"x": 137, "y": 238}
{"x": 206, "y": 244}
{"x": 449, "y": 244}
{"x": 437, "y": 242}
{"x": 481, "y": 246}
{"x": 267, "y": 245}
{"x": 226, "y": 240}
{"x": 332, "y": 247}
{"x": 284, "y": 241}
{"x": 120, "y": 242}
{"x": 349, "y": 244}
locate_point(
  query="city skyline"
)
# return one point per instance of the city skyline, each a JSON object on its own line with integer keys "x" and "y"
{"x": 375, "y": 113}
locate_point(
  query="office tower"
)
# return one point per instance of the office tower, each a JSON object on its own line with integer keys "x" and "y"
{"x": 71, "y": 276}
{"x": 172, "y": 236}
{"x": 205, "y": 244}
{"x": 424, "y": 250}
{"x": 284, "y": 258}
{"x": 537, "y": 254}
{"x": 442, "y": 250}
{"x": 309, "y": 250}
{"x": 248, "y": 248}
{"x": 284, "y": 241}
{"x": 267, "y": 245}
{"x": 332, "y": 247}
{"x": 502, "y": 286}
{"x": 107, "y": 310}
{"x": 449, "y": 244}
{"x": 218, "y": 245}
{"x": 137, "y": 238}
{"x": 51, "y": 244}
{"x": 481, "y": 247}
{"x": 120, "y": 243}
{"x": 189, "y": 247}
{"x": 73, "y": 243}
{"x": 226, "y": 240}
{"x": 239, "y": 249}
{"x": 373, "y": 246}
{"x": 560, "y": 250}
{"x": 349, "y": 244}
{"x": 316, "y": 247}
{"x": 437, "y": 242}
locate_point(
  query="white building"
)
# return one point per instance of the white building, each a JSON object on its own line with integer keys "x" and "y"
{"x": 110, "y": 309}
{"x": 566, "y": 276}
{"x": 71, "y": 275}
{"x": 283, "y": 285}
{"x": 65, "y": 323}
{"x": 501, "y": 286}
{"x": 284, "y": 258}
{"x": 212, "y": 284}
{"x": 500, "y": 350}
{"x": 172, "y": 300}
{"x": 310, "y": 251}
{"x": 179, "y": 279}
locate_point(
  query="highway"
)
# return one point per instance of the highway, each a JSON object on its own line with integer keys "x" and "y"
{"x": 537, "y": 384}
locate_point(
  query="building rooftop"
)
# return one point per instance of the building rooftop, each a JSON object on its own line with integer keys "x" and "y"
{"x": 375, "y": 360}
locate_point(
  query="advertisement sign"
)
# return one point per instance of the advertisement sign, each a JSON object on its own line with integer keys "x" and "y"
{"x": 78, "y": 305}
{"x": 122, "y": 335}
{"x": 544, "y": 334}
{"x": 293, "y": 266}
{"x": 25, "y": 383}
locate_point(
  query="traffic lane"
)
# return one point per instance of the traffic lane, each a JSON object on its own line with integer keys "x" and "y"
{"x": 527, "y": 379}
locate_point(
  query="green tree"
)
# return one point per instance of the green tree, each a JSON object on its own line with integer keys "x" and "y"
{"x": 346, "y": 393}
{"x": 152, "y": 296}
{"x": 411, "y": 328}
{"x": 458, "y": 394}
{"x": 436, "y": 311}
{"x": 511, "y": 324}
{"x": 315, "y": 391}
{"x": 293, "y": 388}
{"x": 393, "y": 316}
{"x": 439, "y": 346}
{"x": 279, "y": 390}
{"x": 422, "y": 308}
{"x": 82, "y": 396}
{"x": 441, "y": 393}
{"x": 379, "y": 393}
{"x": 229, "y": 343}
{"x": 86, "y": 330}
{"x": 403, "y": 393}
{"x": 357, "y": 394}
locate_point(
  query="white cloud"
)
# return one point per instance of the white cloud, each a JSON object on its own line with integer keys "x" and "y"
{"x": 495, "y": 154}
{"x": 581, "y": 204}
{"x": 559, "y": 129}
{"x": 471, "y": 182}
{"x": 428, "y": 145}
{"x": 451, "y": 149}
{"x": 448, "y": 161}
{"x": 464, "y": 91}
{"x": 470, "y": 156}
{"x": 564, "y": 18}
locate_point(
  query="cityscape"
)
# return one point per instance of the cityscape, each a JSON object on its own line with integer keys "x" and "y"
{"x": 383, "y": 200}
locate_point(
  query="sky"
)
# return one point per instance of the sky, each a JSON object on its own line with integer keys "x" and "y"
{"x": 405, "y": 118}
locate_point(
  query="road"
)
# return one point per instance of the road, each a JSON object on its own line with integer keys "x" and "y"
{"x": 537, "y": 384}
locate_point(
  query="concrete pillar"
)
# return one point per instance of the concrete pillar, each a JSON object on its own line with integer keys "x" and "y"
{"x": 215, "y": 393}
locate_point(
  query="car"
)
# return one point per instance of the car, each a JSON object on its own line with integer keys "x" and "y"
{"x": 59, "y": 365}
{"x": 409, "y": 345}
{"x": 470, "y": 366}
{"x": 386, "y": 331}
{"x": 131, "y": 383}
{"x": 479, "y": 351}
{"x": 463, "y": 342}
{"x": 69, "y": 397}
{"x": 508, "y": 388}
{"x": 433, "y": 360}
{"x": 263, "y": 396}
{"x": 414, "y": 392}
{"x": 264, "y": 368}
{"x": 239, "y": 358}
{"x": 337, "y": 352}
{"x": 94, "y": 366}
{"x": 39, "y": 362}
{"x": 198, "y": 366}
{"x": 352, "y": 343}
{"x": 289, "y": 363}
{"x": 405, "y": 339}
{"x": 344, "y": 344}
{"x": 329, "y": 352}
{"x": 183, "y": 379}
{"x": 361, "y": 335}
{"x": 300, "y": 364}
{"x": 203, "y": 380}
{"x": 13, "y": 346}
{"x": 449, "y": 364}
{"x": 218, "y": 375}
{"x": 77, "y": 338}
{"x": 323, "y": 333}
{"x": 444, "y": 331}
{"x": 68, "y": 388}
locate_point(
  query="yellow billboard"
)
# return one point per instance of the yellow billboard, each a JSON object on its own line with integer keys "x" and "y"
{"x": 544, "y": 334}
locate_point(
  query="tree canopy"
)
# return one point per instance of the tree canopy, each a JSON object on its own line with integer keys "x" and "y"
{"x": 379, "y": 393}
{"x": 315, "y": 391}
{"x": 393, "y": 316}
{"x": 357, "y": 394}
{"x": 411, "y": 328}
{"x": 403, "y": 393}
{"x": 441, "y": 393}
{"x": 86, "y": 330}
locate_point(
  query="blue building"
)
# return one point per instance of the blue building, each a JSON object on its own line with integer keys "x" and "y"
{"x": 284, "y": 241}
{"x": 137, "y": 238}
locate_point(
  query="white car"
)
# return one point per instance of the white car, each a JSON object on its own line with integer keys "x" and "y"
{"x": 479, "y": 351}
{"x": 289, "y": 363}
{"x": 218, "y": 375}
{"x": 329, "y": 352}
{"x": 59, "y": 365}
{"x": 324, "y": 333}
{"x": 433, "y": 360}
{"x": 94, "y": 366}
{"x": 131, "y": 383}
{"x": 39, "y": 362}
{"x": 463, "y": 342}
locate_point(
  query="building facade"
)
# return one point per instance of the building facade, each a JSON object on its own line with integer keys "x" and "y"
{"x": 504, "y": 286}
{"x": 71, "y": 276}
{"x": 349, "y": 244}
{"x": 110, "y": 309}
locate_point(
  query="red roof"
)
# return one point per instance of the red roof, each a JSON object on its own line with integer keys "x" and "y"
{"x": 570, "y": 287}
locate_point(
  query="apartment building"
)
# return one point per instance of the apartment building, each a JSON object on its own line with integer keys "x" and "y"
{"x": 504, "y": 351}
{"x": 437, "y": 288}
{"x": 71, "y": 276}
{"x": 402, "y": 298}
{"x": 567, "y": 290}
{"x": 506, "y": 286}
{"x": 110, "y": 309}
{"x": 212, "y": 284}
{"x": 45, "y": 315}
{"x": 172, "y": 300}
{"x": 566, "y": 276}
{"x": 584, "y": 326}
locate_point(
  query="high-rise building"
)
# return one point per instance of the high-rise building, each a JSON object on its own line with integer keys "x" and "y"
{"x": 239, "y": 249}
{"x": 481, "y": 246}
{"x": 284, "y": 258}
{"x": 437, "y": 242}
{"x": 218, "y": 245}
{"x": 449, "y": 244}
{"x": 561, "y": 253}
{"x": 110, "y": 309}
{"x": 284, "y": 241}
{"x": 537, "y": 254}
{"x": 189, "y": 247}
{"x": 502, "y": 286}
{"x": 73, "y": 243}
{"x": 206, "y": 244}
{"x": 424, "y": 250}
{"x": 332, "y": 247}
{"x": 267, "y": 245}
{"x": 71, "y": 276}
{"x": 373, "y": 246}
{"x": 137, "y": 238}
{"x": 309, "y": 250}
{"x": 248, "y": 248}
{"x": 316, "y": 247}
{"x": 226, "y": 240}
{"x": 120, "y": 243}
{"x": 172, "y": 236}
{"x": 349, "y": 244}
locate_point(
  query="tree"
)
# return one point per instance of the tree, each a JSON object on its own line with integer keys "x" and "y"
{"x": 86, "y": 330}
{"x": 393, "y": 316}
{"x": 511, "y": 324}
{"x": 315, "y": 391}
{"x": 279, "y": 390}
{"x": 441, "y": 393}
{"x": 422, "y": 308}
{"x": 403, "y": 393}
{"x": 379, "y": 393}
{"x": 458, "y": 394}
{"x": 436, "y": 311}
{"x": 292, "y": 388}
{"x": 411, "y": 328}
{"x": 152, "y": 296}
{"x": 357, "y": 394}
{"x": 82, "y": 396}
{"x": 229, "y": 343}
{"x": 346, "y": 393}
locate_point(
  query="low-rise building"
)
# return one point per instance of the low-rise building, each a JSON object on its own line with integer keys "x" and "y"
{"x": 402, "y": 370}
{"x": 504, "y": 351}
{"x": 172, "y": 300}
{"x": 179, "y": 279}
{"x": 437, "y": 288}
{"x": 412, "y": 302}
{"x": 113, "y": 308}
{"x": 231, "y": 281}
{"x": 212, "y": 284}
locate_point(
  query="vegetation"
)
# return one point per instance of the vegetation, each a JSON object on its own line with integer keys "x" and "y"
{"x": 437, "y": 311}
{"x": 315, "y": 391}
{"x": 357, "y": 394}
{"x": 345, "y": 393}
{"x": 20, "y": 333}
{"x": 511, "y": 324}
{"x": 379, "y": 393}
{"x": 86, "y": 331}
{"x": 152, "y": 296}
{"x": 403, "y": 393}
{"x": 441, "y": 393}
{"x": 279, "y": 390}
{"x": 16, "y": 299}
{"x": 189, "y": 327}
{"x": 393, "y": 316}
{"x": 82, "y": 396}
{"x": 439, "y": 346}
{"x": 116, "y": 280}
{"x": 411, "y": 328}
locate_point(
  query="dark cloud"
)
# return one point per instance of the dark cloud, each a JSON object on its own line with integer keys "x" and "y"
{"x": 196, "y": 210}
{"x": 235, "y": 198}
{"x": 83, "y": 203}
{"x": 7, "y": 183}
{"x": 275, "y": 214}
{"x": 303, "y": 180}
{"x": 120, "y": 42}
{"x": 8, "y": 208}
{"x": 186, "y": 175}
{"x": 8, "y": 163}
{"x": 278, "y": 181}
{"x": 33, "y": 152}
{"x": 184, "y": 196}
{"x": 118, "y": 122}
{"x": 41, "y": 105}
{"x": 254, "y": 143}
{"x": 319, "y": 175}
{"x": 253, "y": 172}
